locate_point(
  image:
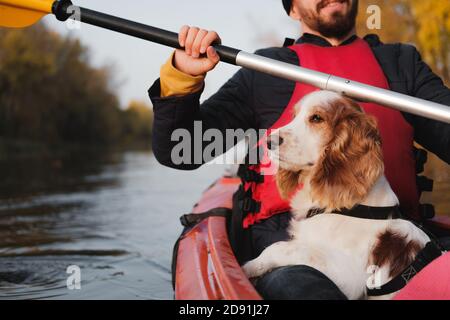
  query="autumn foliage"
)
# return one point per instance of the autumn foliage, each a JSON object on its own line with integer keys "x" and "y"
{"x": 50, "y": 93}
{"x": 423, "y": 23}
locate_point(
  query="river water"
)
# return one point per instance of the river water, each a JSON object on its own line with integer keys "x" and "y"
{"x": 114, "y": 215}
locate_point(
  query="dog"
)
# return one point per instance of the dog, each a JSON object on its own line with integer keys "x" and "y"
{"x": 330, "y": 160}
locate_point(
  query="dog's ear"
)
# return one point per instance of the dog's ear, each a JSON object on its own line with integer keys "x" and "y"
{"x": 352, "y": 161}
{"x": 287, "y": 182}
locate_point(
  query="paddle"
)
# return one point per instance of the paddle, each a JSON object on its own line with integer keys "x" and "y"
{"x": 23, "y": 13}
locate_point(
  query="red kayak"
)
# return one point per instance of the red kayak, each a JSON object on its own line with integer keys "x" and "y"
{"x": 205, "y": 267}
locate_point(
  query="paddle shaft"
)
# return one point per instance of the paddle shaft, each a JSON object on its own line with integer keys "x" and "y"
{"x": 362, "y": 92}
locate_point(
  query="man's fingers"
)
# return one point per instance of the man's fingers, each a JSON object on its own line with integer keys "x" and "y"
{"x": 210, "y": 38}
{"x": 192, "y": 34}
{"x": 212, "y": 55}
{"x": 182, "y": 35}
{"x": 197, "y": 42}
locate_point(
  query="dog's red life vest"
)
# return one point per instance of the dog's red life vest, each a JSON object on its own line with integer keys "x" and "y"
{"x": 354, "y": 61}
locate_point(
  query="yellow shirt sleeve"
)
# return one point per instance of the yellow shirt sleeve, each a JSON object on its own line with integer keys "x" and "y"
{"x": 174, "y": 82}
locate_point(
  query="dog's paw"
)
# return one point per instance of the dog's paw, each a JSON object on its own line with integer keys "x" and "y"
{"x": 253, "y": 269}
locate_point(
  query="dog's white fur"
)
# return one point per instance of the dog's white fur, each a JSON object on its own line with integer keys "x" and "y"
{"x": 339, "y": 246}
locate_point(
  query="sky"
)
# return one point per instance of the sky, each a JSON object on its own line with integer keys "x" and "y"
{"x": 246, "y": 24}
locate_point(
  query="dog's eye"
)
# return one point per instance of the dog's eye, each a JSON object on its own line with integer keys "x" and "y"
{"x": 315, "y": 118}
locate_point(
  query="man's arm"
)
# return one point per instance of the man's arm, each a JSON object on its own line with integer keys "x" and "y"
{"x": 176, "y": 101}
{"x": 229, "y": 108}
{"x": 431, "y": 134}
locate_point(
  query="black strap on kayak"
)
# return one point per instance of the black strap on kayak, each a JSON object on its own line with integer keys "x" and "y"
{"x": 175, "y": 260}
{"x": 189, "y": 221}
{"x": 430, "y": 252}
{"x": 192, "y": 219}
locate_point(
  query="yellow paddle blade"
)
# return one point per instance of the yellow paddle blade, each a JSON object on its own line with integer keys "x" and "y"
{"x": 23, "y": 13}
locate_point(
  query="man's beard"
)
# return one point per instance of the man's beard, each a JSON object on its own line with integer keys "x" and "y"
{"x": 338, "y": 26}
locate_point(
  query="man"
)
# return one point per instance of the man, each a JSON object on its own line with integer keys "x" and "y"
{"x": 254, "y": 100}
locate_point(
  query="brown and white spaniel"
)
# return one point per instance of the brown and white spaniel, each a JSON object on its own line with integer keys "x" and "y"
{"x": 330, "y": 159}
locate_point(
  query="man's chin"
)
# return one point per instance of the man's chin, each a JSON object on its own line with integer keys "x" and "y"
{"x": 333, "y": 19}
{"x": 337, "y": 27}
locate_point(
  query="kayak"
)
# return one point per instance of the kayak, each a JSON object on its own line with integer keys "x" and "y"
{"x": 205, "y": 268}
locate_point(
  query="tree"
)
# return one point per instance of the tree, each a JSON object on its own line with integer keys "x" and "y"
{"x": 49, "y": 92}
{"x": 138, "y": 120}
{"x": 425, "y": 24}
{"x": 433, "y": 33}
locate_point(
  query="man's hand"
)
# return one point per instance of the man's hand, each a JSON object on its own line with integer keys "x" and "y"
{"x": 196, "y": 42}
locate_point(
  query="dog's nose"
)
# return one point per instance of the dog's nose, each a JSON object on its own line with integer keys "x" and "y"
{"x": 274, "y": 141}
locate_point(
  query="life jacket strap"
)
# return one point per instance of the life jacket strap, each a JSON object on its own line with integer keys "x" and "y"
{"x": 426, "y": 211}
{"x": 421, "y": 157}
{"x": 248, "y": 175}
{"x": 424, "y": 184}
{"x": 250, "y": 206}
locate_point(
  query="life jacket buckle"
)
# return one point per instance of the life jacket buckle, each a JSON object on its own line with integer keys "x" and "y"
{"x": 248, "y": 175}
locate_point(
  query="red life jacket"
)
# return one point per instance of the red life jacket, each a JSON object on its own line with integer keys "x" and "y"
{"x": 354, "y": 61}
